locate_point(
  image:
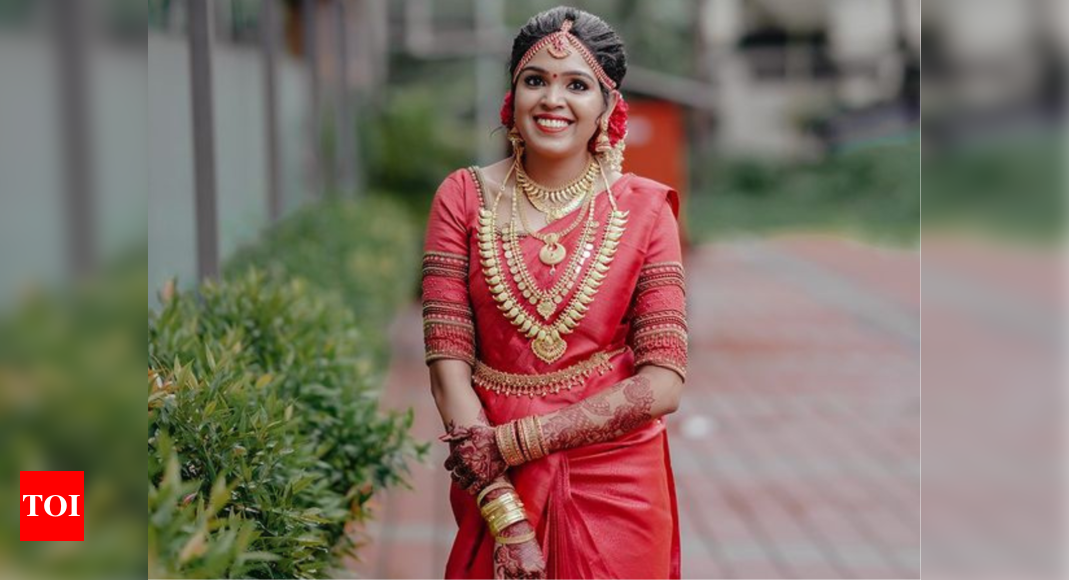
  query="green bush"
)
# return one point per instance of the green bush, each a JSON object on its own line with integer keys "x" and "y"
{"x": 266, "y": 398}
{"x": 367, "y": 252}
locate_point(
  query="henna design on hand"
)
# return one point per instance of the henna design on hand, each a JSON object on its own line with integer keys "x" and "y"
{"x": 607, "y": 415}
{"x": 519, "y": 560}
{"x": 474, "y": 459}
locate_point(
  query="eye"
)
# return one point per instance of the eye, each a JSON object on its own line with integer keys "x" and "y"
{"x": 578, "y": 85}
{"x": 534, "y": 81}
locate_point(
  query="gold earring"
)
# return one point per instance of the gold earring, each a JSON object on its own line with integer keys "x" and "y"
{"x": 516, "y": 140}
{"x": 602, "y": 144}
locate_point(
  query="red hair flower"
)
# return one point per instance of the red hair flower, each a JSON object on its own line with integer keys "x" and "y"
{"x": 506, "y": 110}
{"x": 618, "y": 120}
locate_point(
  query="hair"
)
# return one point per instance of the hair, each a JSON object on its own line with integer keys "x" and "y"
{"x": 603, "y": 42}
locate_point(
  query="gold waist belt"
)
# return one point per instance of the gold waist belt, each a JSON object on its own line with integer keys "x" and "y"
{"x": 513, "y": 384}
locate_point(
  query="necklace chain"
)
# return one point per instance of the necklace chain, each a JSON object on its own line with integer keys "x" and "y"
{"x": 557, "y": 202}
{"x": 546, "y": 301}
{"x": 548, "y": 344}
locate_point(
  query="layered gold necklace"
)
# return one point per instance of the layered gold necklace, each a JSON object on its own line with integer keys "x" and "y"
{"x": 559, "y": 202}
{"x": 548, "y": 343}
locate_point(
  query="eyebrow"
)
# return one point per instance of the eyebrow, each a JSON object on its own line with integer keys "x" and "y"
{"x": 540, "y": 70}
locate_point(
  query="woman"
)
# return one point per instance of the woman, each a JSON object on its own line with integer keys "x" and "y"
{"x": 553, "y": 304}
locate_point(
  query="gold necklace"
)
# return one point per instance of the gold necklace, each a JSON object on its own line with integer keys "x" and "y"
{"x": 548, "y": 344}
{"x": 556, "y": 203}
{"x": 553, "y": 252}
{"x": 546, "y": 301}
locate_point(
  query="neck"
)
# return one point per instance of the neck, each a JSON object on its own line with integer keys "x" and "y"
{"x": 553, "y": 173}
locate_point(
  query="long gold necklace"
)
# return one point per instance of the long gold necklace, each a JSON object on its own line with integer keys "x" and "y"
{"x": 546, "y": 301}
{"x": 548, "y": 344}
{"x": 557, "y": 202}
{"x": 553, "y": 251}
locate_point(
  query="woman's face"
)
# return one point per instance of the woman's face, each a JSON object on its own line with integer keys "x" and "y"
{"x": 557, "y": 104}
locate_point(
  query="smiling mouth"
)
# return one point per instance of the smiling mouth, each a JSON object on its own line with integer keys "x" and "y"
{"x": 552, "y": 125}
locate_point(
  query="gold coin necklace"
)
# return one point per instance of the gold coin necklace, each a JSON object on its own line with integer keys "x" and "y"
{"x": 546, "y": 301}
{"x": 548, "y": 343}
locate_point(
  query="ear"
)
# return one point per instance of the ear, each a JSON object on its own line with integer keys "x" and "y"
{"x": 611, "y": 103}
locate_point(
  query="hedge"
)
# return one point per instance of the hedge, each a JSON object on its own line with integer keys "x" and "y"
{"x": 264, "y": 435}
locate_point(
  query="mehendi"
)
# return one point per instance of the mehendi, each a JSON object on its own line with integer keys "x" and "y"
{"x": 474, "y": 460}
{"x": 616, "y": 411}
{"x": 519, "y": 560}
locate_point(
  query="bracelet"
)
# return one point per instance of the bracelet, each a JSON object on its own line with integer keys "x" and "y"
{"x": 497, "y": 525}
{"x": 512, "y": 540}
{"x": 533, "y": 448}
{"x": 507, "y": 444}
{"x": 486, "y": 490}
{"x": 507, "y": 498}
{"x": 501, "y": 507}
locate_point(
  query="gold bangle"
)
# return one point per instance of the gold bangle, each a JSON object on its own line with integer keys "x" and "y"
{"x": 539, "y": 437}
{"x": 507, "y": 520}
{"x": 503, "y": 443}
{"x": 534, "y": 444}
{"x": 512, "y": 540}
{"x": 524, "y": 437}
{"x": 503, "y": 501}
{"x": 507, "y": 445}
{"x": 486, "y": 490}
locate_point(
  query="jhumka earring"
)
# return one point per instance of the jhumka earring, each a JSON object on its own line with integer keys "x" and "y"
{"x": 517, "y": 142}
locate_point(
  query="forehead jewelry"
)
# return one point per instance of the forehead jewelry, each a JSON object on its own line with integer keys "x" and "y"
{"x": 559, "y": 45}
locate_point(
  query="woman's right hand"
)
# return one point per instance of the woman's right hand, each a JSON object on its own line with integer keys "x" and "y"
{"x": 519, "y": 560}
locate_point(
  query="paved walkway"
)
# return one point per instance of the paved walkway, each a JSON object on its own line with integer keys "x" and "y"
{"x": 796, "y": 449}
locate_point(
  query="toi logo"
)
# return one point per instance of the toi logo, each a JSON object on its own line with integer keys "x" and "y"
{"x": 51, "y": 506}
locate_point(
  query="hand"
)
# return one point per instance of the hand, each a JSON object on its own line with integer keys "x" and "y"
{"x": 474, "y": 459}
{"x": 519, "y": 560}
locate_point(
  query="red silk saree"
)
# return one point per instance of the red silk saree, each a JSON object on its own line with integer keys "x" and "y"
{"x": 606, "y": 510}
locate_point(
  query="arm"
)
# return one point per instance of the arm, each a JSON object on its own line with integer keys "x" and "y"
{"x": 449, "y": 340}
{"x": 653, "y": 392}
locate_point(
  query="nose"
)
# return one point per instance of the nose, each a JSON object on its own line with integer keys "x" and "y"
{"x": 553, "y": 97}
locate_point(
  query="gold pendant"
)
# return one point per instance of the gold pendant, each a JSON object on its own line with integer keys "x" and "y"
{"x": 552, "y": 252}
{"x": 546, "y": 308}
{"x": 551, "y": 255}
{"x": 549, "y": 347}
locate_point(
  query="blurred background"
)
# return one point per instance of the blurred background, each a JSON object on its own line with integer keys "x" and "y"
{"x": 290, "y": 149}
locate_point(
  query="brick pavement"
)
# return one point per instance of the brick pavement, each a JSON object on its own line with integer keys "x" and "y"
{"x": 796, "y": 448}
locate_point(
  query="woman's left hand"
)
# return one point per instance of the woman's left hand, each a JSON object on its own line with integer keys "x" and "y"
{"x": 474, "y": 459}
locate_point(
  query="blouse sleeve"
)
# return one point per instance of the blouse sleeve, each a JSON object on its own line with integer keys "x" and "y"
{"x": 658, "y": 333}
{"x": 448, "y": 331}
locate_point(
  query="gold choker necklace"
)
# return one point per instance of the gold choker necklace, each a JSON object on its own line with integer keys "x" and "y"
{"x": 558, "y": 202}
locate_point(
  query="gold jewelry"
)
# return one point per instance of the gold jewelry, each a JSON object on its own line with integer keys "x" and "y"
{"x": 498, "y": 525}
{"x": 546, "y": 301}
{"x": 540, "y": 385}
{"x": 502, "y": 512}
{"x": 547, "y": 344}
{"x": 486, "y": 490}
{"x": 513, "y": 540}
{"x": 538, "y": 437}
{"x": 507, "y": 444}
{"x": 556, "y": 203}
{"x": 516, "y": 140}
{"x": 500, "y": 505}
{"x": 552, "y": 252}
{"x": 532, "y": 442}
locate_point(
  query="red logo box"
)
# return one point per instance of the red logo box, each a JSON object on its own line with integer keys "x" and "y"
{"x": 51, "y": 506}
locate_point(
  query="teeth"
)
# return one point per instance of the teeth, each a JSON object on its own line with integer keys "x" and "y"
{"x": 551, "y": 123}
